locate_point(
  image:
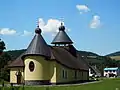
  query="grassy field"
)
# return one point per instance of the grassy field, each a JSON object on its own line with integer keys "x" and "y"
{"x": 106, "y": 84}
{"x": 5, "y": 82}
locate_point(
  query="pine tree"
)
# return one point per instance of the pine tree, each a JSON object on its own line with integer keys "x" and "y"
{"x": 2, "y": 46}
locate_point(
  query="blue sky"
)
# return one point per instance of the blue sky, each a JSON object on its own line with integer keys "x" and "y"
{"x": 93, "y": 25}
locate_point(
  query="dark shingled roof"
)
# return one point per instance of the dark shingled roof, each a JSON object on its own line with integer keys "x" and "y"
{"x": 62, "y": 37}
{"x": 62, "y": 56}
{"x": 38, "y": 46}
{"x": 71, "y": 49}
{"x": 17, "y": 62}
{"x": 67, "y": 55}
{"x": 65, "y": 58}
{"x": 85, "y": 60}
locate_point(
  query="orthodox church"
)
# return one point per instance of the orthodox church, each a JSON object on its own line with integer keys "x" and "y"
{"x": 47, "y": 64}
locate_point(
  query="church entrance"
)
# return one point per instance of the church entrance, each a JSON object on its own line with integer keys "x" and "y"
{"x": 18, "y": 76}
{"x": 18, "y": 79}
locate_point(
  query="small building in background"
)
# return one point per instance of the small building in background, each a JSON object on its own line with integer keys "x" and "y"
{"x": 112, "y": 72}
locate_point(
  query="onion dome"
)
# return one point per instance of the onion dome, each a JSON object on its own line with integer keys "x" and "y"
{"x": 61, "y": 28}
{"x": 38, "y": 30}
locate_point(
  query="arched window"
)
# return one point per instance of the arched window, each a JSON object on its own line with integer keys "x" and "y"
{"x": 31, "y": 66}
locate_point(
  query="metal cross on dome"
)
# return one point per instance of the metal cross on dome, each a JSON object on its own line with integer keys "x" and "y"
{"x": 62, "y": 21}
{"x": 37, "y": 22}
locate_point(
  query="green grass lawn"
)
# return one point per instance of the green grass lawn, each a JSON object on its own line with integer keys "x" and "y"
{"x": 106, "y": 84}
{"x": 5, "y": 82}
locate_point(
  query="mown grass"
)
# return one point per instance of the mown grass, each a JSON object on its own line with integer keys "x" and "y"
{"x": 106, "y": 84}
{"x": 5, "y": 82}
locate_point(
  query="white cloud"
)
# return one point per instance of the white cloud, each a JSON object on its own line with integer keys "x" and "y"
{"x": 95, "y": 23}
{"x": 50, "y": 27}
{"x": 27, "y": 33}
{"x": 82, "y": 8}
{"x": 7, "y": 31}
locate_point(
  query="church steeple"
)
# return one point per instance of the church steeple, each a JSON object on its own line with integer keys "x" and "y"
{"x": 38, "y": 46}
{"x": 62, "y": 37}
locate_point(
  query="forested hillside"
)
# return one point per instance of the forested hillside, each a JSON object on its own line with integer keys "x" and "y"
{"x": 85, "y": 53}
{"x": 114, "y": 54}
{"x": 15, "y": 53}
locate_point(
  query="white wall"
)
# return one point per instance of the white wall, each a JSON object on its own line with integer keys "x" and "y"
{"x": 108, "y": 71}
